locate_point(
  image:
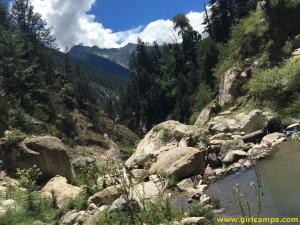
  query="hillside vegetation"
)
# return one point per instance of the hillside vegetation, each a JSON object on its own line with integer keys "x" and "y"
{"x": 177, "y": 81}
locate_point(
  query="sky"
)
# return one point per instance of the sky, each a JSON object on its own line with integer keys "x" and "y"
{"x": 115, "y": 23}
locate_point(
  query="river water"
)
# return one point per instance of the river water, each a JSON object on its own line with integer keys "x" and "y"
{"x": 280, "y": 175}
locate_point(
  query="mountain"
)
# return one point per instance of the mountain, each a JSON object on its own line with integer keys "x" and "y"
{"x": 97, "y": 75}
{"x": 87, "y": 56}
{"x": 117, "y": 55}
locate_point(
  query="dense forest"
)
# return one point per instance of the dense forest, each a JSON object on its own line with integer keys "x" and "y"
{"x": 37, "y": 84}
{"x": 175, "y": 81}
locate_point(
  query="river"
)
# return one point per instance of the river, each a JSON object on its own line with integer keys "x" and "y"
{"x": 280, "y": 176}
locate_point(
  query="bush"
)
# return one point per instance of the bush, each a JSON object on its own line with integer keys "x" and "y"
{"x": 18, "y": 119}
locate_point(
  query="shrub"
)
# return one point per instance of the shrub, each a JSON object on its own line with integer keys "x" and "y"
{"x": 277, "y": 84}
{"x": 197, "y": 210}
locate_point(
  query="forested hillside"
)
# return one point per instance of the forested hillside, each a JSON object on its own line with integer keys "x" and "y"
{"x": 176, "y": 81}
{"x": 43, "y": 86}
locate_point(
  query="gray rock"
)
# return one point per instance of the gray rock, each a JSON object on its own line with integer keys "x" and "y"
{"x": 210, "y": 110}
{"x": 232, "y": 145}
{"x": 213, "y": 160}
{"x": 122, "y": 205}
{"x": 193, "y": 221}
{"x": 185, "y": 184}
{"x": 233, "y": 156}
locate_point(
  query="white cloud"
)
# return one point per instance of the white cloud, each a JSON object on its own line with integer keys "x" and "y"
{"x": 73, "y": 24}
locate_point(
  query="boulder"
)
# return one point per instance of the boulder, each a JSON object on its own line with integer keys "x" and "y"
{"x": 147, "y": 191}
{"x": 273, "y": 139}
{"x": 83, "y": 162}
{"x": 213, "y": 160}
{"x": 182, "y": 162}
{"x": 69, "y": 218}
{"x": 243, "y": 122}
{"x": 162, "y": 137}
{"x": 61, "y": 191}
{"x": 47, "y": 152}
{"x": 123, "y": 205}
{"x": 206, "y": 114}
{"x": 185, "y": 184}
{"x": 232, "y": 145}
{"x": 204, "y": 199}
{"x": 233, "y": 156}
{"x": 106, "y": 196}
{"x": 193, "y": 221}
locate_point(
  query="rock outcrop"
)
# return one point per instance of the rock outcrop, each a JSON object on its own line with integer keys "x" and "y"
{"x": 207, "y": 113}
{"x": 47, "y": 152}
{"x": 106, "y": 196}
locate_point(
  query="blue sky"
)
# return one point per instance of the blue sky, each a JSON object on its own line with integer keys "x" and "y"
{"x": 125, "y": 14}
{"x": 115, "y": 23}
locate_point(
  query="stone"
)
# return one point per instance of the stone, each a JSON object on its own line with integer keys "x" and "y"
{"x": 123, "y": 205}
{"x": 8, "y": 204}
{"x": 210, "y": 110}
{"x": 83, "y": 162}
{"x": 61, "y": 191}
{"x": 220, "y": 136}
{"x": 139, "y": 173}
{"x": 219, "y": 211}
{"x": 273, "y": 139}
{"x": 106, "y": 181}
{"x": 147, "y": 191}
{"x": 193, "y": 221}
{"x": 47, "y": 152}
{"x": 69, "y": 218}
{"x": 258, "y": 151}
{"x": 185, "y": 184}
{"x": 182, "y": 162}
{"x": 162, "y": 137}
{"x": 204, "y": 199}
{"x": 292, "y": 126}
{"x": 232, "y": 145}
{"x": 233, "y": 156}
{"x": 213, "y": 160}
{"x": 106, "y": 196}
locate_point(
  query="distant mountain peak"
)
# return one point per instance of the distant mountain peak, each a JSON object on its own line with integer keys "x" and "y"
{"x": 119, "y": 56}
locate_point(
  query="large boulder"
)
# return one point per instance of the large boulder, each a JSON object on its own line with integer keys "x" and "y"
{"x": 243, "y": 122}
{"x": 273, "y": 139}
{"x": 180, "y": 161}
{"x": 162, "y": 137}
{"x": 210, "y": 110}
{"x": 47, "y": 152}
{"x": 61, "y": 191}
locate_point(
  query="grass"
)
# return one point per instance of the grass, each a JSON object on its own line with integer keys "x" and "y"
{"x": 126, "y": 149}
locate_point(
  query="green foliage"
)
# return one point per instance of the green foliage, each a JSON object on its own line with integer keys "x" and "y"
{"x": 158, "y": 212}
{"x": 79, "y": 203}
{"x": 43, "y": 211}
{"x": 197, "y": 210}
{"x": 12, "y": 139}
{"x": 87, "y": 177}
{"x": 126, "y": 149}
{"x": 278, "y": 84}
